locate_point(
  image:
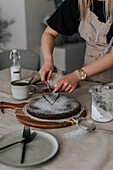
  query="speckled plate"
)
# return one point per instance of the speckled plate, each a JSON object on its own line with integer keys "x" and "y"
{"x": 43, "y": 147}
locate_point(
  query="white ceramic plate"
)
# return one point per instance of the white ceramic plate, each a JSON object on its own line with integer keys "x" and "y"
{"x": 43, "y": 147}
{"x": 57, "y": 120}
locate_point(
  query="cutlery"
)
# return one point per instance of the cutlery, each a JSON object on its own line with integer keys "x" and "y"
{"x": 48, "y": 85}
{"x": 26, "y": 135}
{"x": 31, "y": 80}
{"x": 21, "y": 141}
{"x": 51, "y": 97}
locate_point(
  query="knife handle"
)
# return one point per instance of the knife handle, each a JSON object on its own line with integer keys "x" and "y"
{"x": 23, "y": 152}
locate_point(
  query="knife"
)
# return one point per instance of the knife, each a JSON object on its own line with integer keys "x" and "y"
{"x": 26, "y": 135}
{"x": 21, "y": 141}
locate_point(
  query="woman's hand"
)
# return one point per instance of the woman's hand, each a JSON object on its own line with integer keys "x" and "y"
{"x": 46, "y": 70}
{"x": 47, "y": 45}
{"x": 68, "y": 82}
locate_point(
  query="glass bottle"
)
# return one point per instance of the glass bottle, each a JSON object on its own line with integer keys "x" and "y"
{"x": 15, "y": 68}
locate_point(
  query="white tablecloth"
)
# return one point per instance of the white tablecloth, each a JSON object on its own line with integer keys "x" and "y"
{"x": 77, "y": 151}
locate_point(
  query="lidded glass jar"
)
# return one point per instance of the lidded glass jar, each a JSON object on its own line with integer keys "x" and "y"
{"x": 15, "y": 68}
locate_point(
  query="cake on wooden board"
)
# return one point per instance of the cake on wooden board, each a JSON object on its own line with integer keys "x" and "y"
{"x": 63, "y": 107}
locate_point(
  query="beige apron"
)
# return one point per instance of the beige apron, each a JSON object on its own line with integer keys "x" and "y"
{"x": 94, "y": 33}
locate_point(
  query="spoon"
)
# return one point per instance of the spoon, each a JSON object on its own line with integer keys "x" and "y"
{"x": 31, "y": 80}
{"x": 88, "y": 126}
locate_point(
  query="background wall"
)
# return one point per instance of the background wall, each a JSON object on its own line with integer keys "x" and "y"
{"x": 28, "y": 15}
{"x": 15, "y": 9}
{"x": 36, "y": 10}
{"x": 28, "y": 28}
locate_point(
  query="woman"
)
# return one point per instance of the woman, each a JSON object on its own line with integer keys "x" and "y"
{"x": 94, "y": 21}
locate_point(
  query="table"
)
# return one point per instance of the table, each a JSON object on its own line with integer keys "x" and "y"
{"x": 91, "y": 151}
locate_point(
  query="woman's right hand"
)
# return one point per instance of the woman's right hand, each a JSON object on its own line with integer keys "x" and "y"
{"x": 46, "y": 70}
{"x": 47, "y": 45}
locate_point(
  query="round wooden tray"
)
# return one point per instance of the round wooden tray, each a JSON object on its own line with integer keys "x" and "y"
{"x": 23, "y": 118}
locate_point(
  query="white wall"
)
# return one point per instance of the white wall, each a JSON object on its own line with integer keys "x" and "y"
{"x": 15, "y": 9}
{"x": 36, "y": 10}
{"x": 28, "y": 14}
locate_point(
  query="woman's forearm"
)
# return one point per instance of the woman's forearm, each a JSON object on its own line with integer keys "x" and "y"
{"x": 101, "y": 64}
{"x": 47, "y": 45}
{"x": 48, "y": 42}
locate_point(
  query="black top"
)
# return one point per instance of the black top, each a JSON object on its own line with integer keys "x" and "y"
{"x": 65, "y": 20}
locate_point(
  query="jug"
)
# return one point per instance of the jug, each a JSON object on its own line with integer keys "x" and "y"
{"x": 102, "y": 102}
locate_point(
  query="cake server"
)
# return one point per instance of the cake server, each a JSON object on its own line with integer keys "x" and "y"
{"x": 51, "y": 97}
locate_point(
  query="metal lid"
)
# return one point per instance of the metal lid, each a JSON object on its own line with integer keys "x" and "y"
{"x": 14, "y": 54}
{"x": 108, "y": 85}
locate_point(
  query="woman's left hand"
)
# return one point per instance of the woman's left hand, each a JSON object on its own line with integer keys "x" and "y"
{"x": 67, "y": 83}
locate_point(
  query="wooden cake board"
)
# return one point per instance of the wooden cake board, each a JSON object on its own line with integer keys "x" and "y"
{"x": 23, "y": 118}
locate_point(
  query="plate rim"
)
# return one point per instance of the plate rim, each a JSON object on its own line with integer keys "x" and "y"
{"x": 55, "y": 120}
{"x": 56, "y": 143}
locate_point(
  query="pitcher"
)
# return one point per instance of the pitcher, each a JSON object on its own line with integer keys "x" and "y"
{"x": 102, "y": 102}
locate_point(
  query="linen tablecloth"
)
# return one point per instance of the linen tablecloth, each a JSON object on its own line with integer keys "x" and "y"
{"x": 78, "y": 151}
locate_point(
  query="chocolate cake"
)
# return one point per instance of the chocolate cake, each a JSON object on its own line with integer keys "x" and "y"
{"x": 63, "y": 107}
